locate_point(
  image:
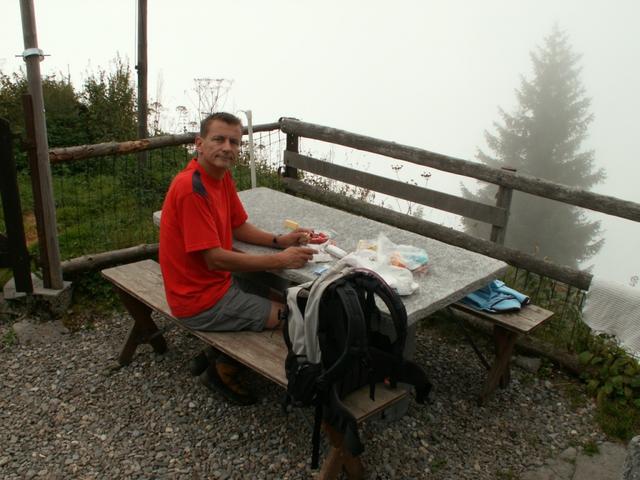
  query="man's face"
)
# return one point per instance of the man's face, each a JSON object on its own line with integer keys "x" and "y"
{"x": 219, "y": 148}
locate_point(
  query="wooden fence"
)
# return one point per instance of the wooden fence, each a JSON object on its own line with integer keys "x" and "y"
{"x": 495, "y": 215}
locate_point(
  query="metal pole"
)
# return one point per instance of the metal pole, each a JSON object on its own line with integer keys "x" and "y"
{"x": 32, "y": 57}
{"x": 252, "y": 159}
{"x": 141, "y": 67}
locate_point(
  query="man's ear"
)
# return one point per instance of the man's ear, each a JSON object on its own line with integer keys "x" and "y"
{"x": 198, "y": 142}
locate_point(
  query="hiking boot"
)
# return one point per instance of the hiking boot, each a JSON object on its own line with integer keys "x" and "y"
{"x": 198, "y": 364}
{"x": 222, "y": 377}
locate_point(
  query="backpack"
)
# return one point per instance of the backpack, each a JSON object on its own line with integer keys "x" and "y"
{"x": 338, "y": 341}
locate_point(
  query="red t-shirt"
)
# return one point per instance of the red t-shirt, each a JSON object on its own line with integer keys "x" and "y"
{"x": 199, "y": 213}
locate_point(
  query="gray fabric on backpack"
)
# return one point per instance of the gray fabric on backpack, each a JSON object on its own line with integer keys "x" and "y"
{"x": 303, "y": 328}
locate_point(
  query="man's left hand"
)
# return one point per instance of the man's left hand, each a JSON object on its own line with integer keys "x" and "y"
{"x": 300, "y": 236}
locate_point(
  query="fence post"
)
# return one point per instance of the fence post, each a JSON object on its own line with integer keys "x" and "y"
{"x": 503, "y": 200}
{"x": 48, "y": 266}
{"x": 293, "y": 145}
{"x": 18, "y": 255}
{"x": 32, "y": 56}
{"x": 142, "y": 68}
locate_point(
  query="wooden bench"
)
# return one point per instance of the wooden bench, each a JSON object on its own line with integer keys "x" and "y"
{"x": 141, "y": 290}
{"x": 507, "y": 327}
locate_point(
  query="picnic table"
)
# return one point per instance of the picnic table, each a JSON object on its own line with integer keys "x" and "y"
{"x": 452, "y": 273}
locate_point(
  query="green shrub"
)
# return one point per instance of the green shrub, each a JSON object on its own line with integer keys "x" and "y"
{"x": 613, "y": 377}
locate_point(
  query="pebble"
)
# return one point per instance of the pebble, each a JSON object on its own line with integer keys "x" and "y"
{"x": 62, "y": 419}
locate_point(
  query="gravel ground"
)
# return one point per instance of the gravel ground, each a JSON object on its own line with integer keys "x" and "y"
{"x": 65, "y": 414}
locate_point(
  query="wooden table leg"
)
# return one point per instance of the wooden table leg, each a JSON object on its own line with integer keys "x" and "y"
{"x": 339, "y": 458}
{"x": 504, "y": 349}
{"x": 144, "y": 329}
{"x": 500, "y": 373}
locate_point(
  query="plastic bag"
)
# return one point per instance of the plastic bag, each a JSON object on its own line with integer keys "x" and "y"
{"x": 384, "y": 258}
{"x": 405, "y": 256}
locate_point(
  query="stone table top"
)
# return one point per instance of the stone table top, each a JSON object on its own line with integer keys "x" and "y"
{"x": 453, "y": 272}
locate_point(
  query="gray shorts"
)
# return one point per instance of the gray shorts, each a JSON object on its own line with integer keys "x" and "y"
{"x": 243, "y": 307}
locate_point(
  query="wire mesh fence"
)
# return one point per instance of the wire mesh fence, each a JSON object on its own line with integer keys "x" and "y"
{"x": 106, "y": 203}
{"x": 565, "y": 329}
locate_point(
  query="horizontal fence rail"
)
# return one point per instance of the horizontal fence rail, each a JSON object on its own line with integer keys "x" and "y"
{"x": 517, "y": 181}
{"x": 67, "y": 154}
{"x": 413, "y": 193}
{"x": 577, "y": 278}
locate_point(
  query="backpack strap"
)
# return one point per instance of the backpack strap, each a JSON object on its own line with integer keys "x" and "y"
{"x": 340, "y": 418}
{"x": 398, "y": 313}
{"x": 374, "y": 284}
{"x": 294, "y": 323}
{"x": 315, "y": 439}
{"x": 356, "y": 333}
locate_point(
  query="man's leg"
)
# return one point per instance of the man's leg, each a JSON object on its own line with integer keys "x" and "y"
{"x": 275, "y": 320}
{"x": 202, "y": 360}
{"x": 222, "y": 376}
{"x": 237, "y": 310}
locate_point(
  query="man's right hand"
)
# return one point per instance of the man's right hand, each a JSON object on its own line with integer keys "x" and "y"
{"x": 296, "y": 257}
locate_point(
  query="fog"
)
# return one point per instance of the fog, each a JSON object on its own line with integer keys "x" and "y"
{"x": 422, "y": 73}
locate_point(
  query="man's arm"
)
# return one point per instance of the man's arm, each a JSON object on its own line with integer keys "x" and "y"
{"x": 221, "y": 259}
{"x": 249, "y": 233}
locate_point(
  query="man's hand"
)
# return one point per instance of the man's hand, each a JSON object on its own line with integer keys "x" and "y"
{"x": 296, "y": 257}
{"x": 300, "y": 236}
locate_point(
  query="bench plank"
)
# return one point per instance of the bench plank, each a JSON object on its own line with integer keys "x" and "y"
{"x": 263, "y": 352}
{"x": 524, "y": 321}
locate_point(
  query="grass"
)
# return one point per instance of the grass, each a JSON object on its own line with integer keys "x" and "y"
{"x": 576, "y": 395}
{"x": 506, "y": 475}
{"x": 9, "y": 338}
{"x": 438, "y": 464}
{"x": 617, "y": 420}
{"x": 590, "y": 448}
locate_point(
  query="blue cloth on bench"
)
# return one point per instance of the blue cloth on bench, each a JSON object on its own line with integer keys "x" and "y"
{"x": 496, "y": 298}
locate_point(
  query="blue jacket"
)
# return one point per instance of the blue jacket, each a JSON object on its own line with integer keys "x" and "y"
{"x": 495, "y": 298}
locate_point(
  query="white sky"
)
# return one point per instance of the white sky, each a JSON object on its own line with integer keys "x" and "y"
{"x": 424, "y": 73}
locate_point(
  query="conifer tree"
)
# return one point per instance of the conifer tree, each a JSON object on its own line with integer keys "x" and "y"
{"x": 543, "y": 138}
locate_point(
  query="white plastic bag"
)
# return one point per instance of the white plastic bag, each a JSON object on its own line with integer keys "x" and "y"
{"x": 406, "y": 256}
{"x": 378, "y": 256}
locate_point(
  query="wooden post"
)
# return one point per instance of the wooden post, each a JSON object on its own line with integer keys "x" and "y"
{"x": 292, "y": 146}
{"x": 18, "y": 254}
{"x": 32, "y": 157}
{"x": 503, "y": 200}
{"x": 141, "y": 67}
{"x": 32, "y": 57}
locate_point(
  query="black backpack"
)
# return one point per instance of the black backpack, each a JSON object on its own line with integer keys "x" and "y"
{"x": 338, "y": 341}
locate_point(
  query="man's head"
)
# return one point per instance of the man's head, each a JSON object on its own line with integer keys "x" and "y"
{"x": 218, "y": 142}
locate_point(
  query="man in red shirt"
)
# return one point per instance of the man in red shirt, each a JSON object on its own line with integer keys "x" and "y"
{"x": 201, "y": 216}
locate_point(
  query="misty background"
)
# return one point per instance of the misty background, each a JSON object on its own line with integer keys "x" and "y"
{"x": 425, "y": 74}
